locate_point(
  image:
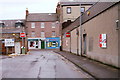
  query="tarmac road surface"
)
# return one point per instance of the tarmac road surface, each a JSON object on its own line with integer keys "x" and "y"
{"x": 40, "y": 64}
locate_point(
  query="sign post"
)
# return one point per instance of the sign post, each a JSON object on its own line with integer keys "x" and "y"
{"x": 23, "y": 35}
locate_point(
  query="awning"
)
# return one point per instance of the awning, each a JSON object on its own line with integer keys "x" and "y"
{"x": 32, "y": 39}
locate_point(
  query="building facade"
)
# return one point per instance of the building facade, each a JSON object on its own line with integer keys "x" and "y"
{"x": 11, "y": 30}
{"x": 42, "y": 30}
{"x": 97, "y": 32}
{"x": 68, "y": 12}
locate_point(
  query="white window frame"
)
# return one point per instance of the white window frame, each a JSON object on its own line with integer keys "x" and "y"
{"x": 82, "y": 9}
{"x": 33, "y": 35}
{"x": 53, "y": 34}
{"x": 69, "y": 10}
{"x": 32, "y": 25}
{"x": 42, "y": 25}
{"x": 53, "y": 25}
{"x": 42, "y": 34}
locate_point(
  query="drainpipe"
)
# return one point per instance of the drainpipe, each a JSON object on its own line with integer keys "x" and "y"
{"x": 119, "y": 34}
{"x": 70, "y": 42}
{"x": 80, "y": 33}
{"x": 77, "y": 33}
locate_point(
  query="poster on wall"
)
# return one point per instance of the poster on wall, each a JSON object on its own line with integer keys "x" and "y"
{"x": 103, "y": 41}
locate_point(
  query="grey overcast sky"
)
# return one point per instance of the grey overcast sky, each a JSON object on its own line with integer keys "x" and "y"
{"x": 15, "y": 9}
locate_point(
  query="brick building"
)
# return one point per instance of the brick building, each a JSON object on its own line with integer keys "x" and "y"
{"x": 42, "y": 30}
{"x": 11, "y": 29}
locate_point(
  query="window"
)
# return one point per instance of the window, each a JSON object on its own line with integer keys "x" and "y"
{"x": 53, "y": 25}
{"x": 42, "y": 25}
{"x": 17, "y": 25}
{"x": 33, "y": 34}
{"x": 43, "y": 34}
{"x": 68, "y": 10}
{"x": 82, "y": 9}
{"x": 32, "y": 25}
{"x": 53, "y": 34}
{"x": 2, "y": 25}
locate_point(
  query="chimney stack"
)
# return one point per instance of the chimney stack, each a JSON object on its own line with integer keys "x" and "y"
{"x": 27, "y": 12}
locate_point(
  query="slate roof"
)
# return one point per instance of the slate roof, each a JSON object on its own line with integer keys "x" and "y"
{"x": 11, "y": 23}
{"x": 15, "y": 30}
{"x": 42, "y": 17}
{"x": 75, "y": 3}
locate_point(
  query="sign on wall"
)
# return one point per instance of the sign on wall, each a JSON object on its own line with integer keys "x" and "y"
{"x": 103, "y": 41}
{"x": 9, "y": 42}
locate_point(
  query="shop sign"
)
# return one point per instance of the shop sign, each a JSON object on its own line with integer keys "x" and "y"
{"x": 9, "y": 42}
{"x": 103, "y": 41}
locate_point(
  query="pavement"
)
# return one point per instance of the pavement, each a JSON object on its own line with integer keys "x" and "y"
{"x": 94, "y": 68}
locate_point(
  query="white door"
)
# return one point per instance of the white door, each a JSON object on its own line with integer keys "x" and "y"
{"x": 39, "y": 44}
{"x": 17, "y": 47}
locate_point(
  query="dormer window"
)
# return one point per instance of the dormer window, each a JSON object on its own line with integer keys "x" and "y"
{"x": 2, "y": 24}
{"x": 19, "y": 24}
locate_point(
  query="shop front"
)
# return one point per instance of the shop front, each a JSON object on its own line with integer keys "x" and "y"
{"x": 53, "y": 43}
{"x": 36, "y": 43}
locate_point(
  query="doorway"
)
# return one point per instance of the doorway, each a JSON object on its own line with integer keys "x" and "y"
{"x": 42, "y": 44}
{"x": 17, "y": 48}
{"x": 84, "y": 43}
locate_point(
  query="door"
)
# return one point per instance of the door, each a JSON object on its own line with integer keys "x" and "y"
{"x": 84, "y": 43}
{"x": 17, "y": 48}
{"x": 42, "y": 45}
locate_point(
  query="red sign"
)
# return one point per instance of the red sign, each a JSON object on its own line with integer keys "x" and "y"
{"x": 22, "y": 34}
{"x": 103, "y": 41}
{"x": 68, "y": 34}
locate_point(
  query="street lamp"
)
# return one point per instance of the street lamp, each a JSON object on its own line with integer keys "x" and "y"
{"x": 13, "y": 34}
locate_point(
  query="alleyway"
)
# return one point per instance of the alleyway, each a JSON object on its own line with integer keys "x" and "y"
{"x": 40, "y": 64}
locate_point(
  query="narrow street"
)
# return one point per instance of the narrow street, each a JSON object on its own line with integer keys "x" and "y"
{"x": 40, "y": 64}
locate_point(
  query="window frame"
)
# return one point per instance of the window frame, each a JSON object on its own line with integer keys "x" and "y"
{"x": 41, "y": 34}
{"x": 81, "y": 9}
{"x": 32, "y": 25}
{"x": 42, "y": 25}
{"x": 53, "y": 25}
{"x": 67, "y": 10}
{"x": 54, "y": 34}
{"x": 33, "y": 35}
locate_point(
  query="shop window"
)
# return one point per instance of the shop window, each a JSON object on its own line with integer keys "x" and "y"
{"x": 32, "y": 44}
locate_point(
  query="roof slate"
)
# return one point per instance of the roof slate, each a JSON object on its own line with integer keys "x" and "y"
{"x": 42, "y": 17}
{"x": 11, "y": 23}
